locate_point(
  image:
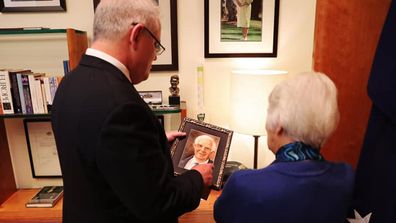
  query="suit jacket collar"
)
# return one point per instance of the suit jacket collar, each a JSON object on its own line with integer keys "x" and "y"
{"x": 91, "y": 61}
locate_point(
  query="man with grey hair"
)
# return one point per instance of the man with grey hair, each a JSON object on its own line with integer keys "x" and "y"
{"x": 114, "y": 154}
{"x": 300, "y": 186}
{"x": 203, "y": 147}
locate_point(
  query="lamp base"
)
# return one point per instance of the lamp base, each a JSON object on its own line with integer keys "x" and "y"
{"x": 174, "y": 100}
{"x": 255, "y": 157}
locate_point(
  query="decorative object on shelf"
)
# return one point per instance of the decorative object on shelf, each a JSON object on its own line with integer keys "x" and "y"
{"x": 46, "y": 197}
{"x": 174, "y": 98}
{"x": 200, "y": 93}
{"x": 43, "y": 154}
{"x": 216, "y": 151}
{"x": 169, "y": 59}
{"x": 249, "y": 101}
{"x": 32, "y": 6}
{"x": 230, "y": 34}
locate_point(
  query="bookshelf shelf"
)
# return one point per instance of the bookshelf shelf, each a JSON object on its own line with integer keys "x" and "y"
{"x": 39, "y": 50}
{"x": 4, "y": 116}
{"x": 22, "y": 31}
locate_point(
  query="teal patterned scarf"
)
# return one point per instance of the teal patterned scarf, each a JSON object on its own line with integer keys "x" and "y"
{"x": 297, "y": 151}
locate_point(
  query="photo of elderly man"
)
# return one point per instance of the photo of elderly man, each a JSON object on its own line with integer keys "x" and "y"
{"x": 202, "y": 150}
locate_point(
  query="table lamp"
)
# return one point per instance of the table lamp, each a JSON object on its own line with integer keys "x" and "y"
{"x": 249, "y": 101}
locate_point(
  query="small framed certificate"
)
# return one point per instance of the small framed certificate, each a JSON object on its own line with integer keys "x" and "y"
{"x": 42, "y": 150}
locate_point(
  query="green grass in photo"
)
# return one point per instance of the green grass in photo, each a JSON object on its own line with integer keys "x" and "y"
{"x": 231, "y": 33}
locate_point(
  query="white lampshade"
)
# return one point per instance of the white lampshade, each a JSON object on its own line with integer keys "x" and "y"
{"x": 249, "y": 99}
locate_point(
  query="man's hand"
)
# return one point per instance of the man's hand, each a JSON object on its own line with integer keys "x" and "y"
{"x": 174, "y": 134}
{"x": 206, "y": 171}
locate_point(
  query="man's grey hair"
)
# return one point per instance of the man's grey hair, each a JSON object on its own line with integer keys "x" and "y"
{"x": 113, "y": 18}
{"x": 201, "y": 137}
{"x": 305, "y": 106}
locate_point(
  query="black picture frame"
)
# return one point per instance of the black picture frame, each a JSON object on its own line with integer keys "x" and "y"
{"x": 33, "y": 6}
{"x": 40, "y": 140}
{"x": 215, "y": 47}
{"x": 194, "y": 128}
{"x": 169, "y": 59}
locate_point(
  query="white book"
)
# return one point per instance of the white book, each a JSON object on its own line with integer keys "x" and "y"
{"x": 33, "y": 94}
{"x": 47, "y": 90}
{"x": 40, "y": 100}
{"x": 44, "y": 95}
{"x": 5, "y": 93}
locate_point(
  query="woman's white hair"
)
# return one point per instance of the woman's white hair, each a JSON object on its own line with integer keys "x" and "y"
{"x": 113, "y": 18}
{"x": 305, "y": 106}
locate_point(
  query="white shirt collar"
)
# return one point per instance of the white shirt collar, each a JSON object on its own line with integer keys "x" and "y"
{"x": 106, "y": 57}
{"x": 192, "y": 162}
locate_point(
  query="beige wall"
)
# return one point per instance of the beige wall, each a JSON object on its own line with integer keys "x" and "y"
{"x": 295, "y": 44}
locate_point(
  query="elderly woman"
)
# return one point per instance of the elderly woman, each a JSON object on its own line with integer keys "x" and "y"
{"x": 300, "y": 186}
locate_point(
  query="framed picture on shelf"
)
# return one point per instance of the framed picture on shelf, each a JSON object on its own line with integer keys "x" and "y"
{"x": 169, "y": 59}
{"x": 204, "y": 143}
{"x": 42, "y": 150}
{"x": 32, "y": 5}
{"x": 241, "y": 28}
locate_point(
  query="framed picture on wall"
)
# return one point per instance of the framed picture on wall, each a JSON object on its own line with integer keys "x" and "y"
{"x": 32, "y": 5}
{"x": 169, "y": 59}
{"x": 241, "y": 28}
{"x": 42, "y": 150}
{"x": 204, "y": 143}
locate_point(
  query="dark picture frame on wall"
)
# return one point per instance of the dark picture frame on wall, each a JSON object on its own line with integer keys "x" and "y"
{"x": 246, "y": 30}
{"x": 169, "y": 59}
{"x": 44, "y": 160}
{"x": 33, "y": 6}
{"x": 183, "y": 149}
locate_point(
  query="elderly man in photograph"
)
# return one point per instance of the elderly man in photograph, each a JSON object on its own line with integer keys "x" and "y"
{"x": 203, "y": 148}
{"x": 114, "y": 154}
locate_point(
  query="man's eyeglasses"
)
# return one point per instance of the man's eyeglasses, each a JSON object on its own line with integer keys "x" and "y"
{"x": 159, "y": 49}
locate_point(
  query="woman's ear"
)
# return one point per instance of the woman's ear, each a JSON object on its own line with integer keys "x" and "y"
{"x": 279, "y": 130}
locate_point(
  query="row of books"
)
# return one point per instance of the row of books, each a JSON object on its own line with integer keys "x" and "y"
{"x": 26, "y": 92}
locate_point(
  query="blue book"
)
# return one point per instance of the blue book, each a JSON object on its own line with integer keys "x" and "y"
{"x": 66, "y": 67}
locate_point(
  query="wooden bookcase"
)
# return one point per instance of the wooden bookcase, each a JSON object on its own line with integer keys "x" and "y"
{"x": 75, "y": 42}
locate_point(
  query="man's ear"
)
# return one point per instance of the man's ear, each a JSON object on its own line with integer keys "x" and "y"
{"x": 134, "y": 36}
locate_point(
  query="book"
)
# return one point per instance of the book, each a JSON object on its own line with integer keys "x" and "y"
{"x": 5, "y": 93}
{"x": 66, "y": 67}
{"x": 27, "y": 98}
{"x": 16, "y": 100}
{"x": 46, "y": 197}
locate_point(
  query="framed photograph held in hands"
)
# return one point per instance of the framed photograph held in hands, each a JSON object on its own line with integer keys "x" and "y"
{"x": 204, "y": 143}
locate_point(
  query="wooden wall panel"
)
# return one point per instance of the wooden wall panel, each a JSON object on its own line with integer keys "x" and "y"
{"x": 346, "y": 36}
{"x": 7, "y": 180}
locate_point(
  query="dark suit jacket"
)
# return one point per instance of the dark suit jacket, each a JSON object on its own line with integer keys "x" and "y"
{"x": 114, "y": 154}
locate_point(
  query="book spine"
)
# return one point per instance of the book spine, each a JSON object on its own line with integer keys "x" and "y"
{"x": 33, "y": 94}
{"x": 40, "y": 100}
{"x": 66, "y": 67}
{"x": 26, "y": 94}
{"x": 5, "y": 93}
{"x": 20, "y": 90}
{"x": 16, "y": 100}
{"x": 44, "y": 95}
{"x": 52, "y": 84}
{"x": 47, "y": 91}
